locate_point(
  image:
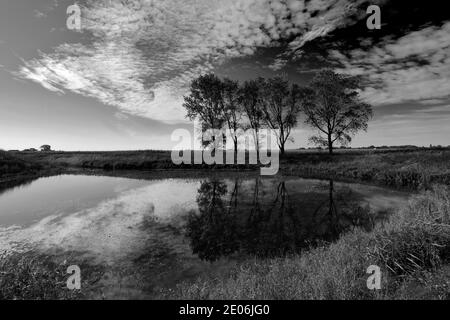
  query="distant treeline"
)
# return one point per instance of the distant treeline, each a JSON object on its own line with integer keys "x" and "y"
{"x": 385, "y": 147}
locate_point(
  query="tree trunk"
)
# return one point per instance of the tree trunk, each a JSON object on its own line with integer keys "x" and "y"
{"x": 330, "y": 145}
{"x": 257, "y": 144}
{"x": 282, "y": 149}
{"x": 235, "y": 150}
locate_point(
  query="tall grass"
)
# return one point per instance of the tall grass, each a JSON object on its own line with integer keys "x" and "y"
{"x": 412, "y": 169}
{"x": 410, "y": 249}
{"x": 35, "y": 276}
{"x": 418, "y": 239}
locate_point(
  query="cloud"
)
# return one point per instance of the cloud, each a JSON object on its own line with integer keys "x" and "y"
{"x": 142, "y": 54}
{"x": 39, "y": 14}
{"x": 111, "y": 229}
{"x": 439, "y": 110}
{"x": 415, "y": 67}
{"x": 278, "y": 64}
{"x": 45, "y": 9}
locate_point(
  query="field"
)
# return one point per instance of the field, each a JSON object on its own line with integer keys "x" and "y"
{"x": 10, "y": 165}
{"x": 410, "y": 168}
{"x": 15, "y": 170}
{"x": 413, "y": 169}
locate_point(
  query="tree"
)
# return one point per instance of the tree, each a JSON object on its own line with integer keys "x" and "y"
{"x": 46, "y": 148}
{"x": 231, "y": 109}
{"x": 205, "y": 102}
{"x": 281, "y": 106}
{"x": 332, "y": 105}
{"x": 249, "y": 99}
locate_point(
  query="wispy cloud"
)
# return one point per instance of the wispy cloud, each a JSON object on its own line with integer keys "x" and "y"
{"x": 39, "y": 14}
{"x": 143, "y": 53}
{"x": 278, "y": 64}
{"x": 415, "y": 67}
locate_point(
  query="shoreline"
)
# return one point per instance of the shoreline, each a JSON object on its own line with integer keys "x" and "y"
{"x": 158, "y": 174}
{"x": 404, "y": 170}
{"x": 337, "y": 270}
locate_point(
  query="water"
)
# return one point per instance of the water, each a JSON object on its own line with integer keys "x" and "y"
{"x": 152, "y": 234}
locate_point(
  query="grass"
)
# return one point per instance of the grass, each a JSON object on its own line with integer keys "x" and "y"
{"x": 10, "y": 164}
{"x": 419, "y": 238}
{"x": 410, "y": 168}
{"x": 412, "y": 250}
{"x": 15, "y": 171}
{"x": 413, "y": 169}
{"x": 116, "y": 160}
{"x": 34, "y": 276}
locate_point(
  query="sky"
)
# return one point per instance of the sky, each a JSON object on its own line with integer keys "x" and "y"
{"x": 119, "y": 82}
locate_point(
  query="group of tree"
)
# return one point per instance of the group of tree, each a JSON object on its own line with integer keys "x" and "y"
{"x": 46, "y": 148}
{"x": 330, "y": 104}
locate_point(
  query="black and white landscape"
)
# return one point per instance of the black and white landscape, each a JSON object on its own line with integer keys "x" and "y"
{"x": 224, "y": 149}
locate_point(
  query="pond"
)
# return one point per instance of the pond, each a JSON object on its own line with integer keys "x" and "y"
{"x": 148, "y": 235}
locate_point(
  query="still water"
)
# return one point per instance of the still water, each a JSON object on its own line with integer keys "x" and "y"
{"x": 152, "y": 234}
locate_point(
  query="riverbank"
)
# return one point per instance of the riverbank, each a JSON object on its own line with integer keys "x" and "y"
{"x": 14, "y": 170}
{"x": 412, "y": 250}
{"x": 401, "y": 168}
{"x": 410, "y": 169}
{"x": 11, "y": 165}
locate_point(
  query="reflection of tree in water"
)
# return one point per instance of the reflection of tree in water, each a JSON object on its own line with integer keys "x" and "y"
{"x": 251, "y": 222}
{"x": 213, "y": 232}
{"x": 272, "y": 230}
{"x": 341, "y": 213}
{"x": 8, "y": 185}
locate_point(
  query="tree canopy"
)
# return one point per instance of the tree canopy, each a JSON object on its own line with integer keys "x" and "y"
{"x": 332, "y": 106}
{"x": 281, "y": 106}
{"x": 205, "y": 102}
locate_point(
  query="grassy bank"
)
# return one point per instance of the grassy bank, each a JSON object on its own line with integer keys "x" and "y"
{"x": 414, "y": 168}
{"x": 15, "y": 171}
{"x": 412, "y": 250}
{"x": 34, "y": 276}
{"x": 13, "y": 165}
